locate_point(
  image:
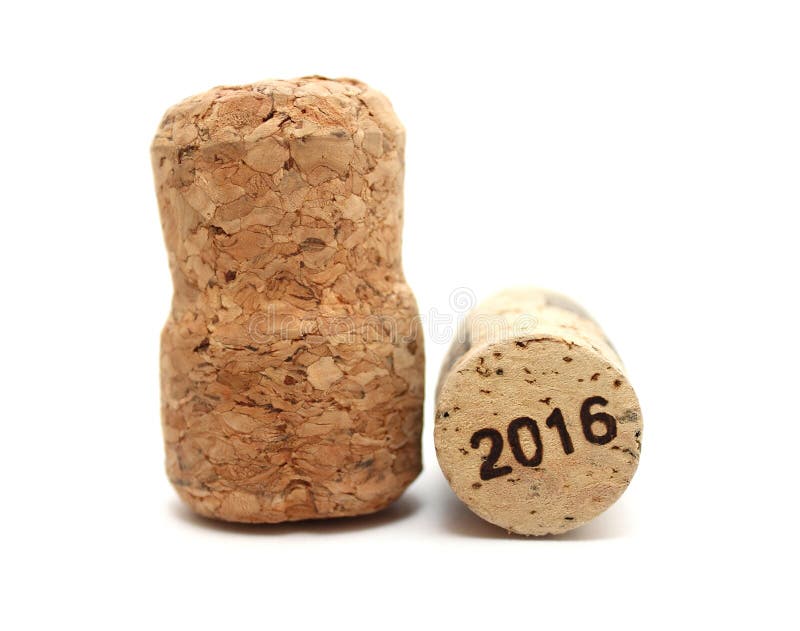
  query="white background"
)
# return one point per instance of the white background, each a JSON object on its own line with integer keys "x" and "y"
{"x": 642, "y": 157}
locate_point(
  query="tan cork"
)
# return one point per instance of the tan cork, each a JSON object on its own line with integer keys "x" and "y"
{"x": 537, "y": 428}
{"x": 292, "y": 360}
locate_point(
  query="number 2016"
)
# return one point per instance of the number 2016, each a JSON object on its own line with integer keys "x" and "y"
{"x": 489, "y": 469}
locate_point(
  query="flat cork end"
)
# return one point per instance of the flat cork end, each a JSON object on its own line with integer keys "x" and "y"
{"x": 537, "y": 434}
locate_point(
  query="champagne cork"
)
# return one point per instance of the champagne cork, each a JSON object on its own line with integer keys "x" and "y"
{"x": 537, "y": 428}
{"x": 292, "y": 360}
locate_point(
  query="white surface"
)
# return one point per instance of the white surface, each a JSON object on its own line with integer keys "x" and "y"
{"x": 640, "y": 157}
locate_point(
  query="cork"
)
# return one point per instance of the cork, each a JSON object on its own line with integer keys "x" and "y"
{"x": 537, "y": 428}
{"x": 292, "y": 360}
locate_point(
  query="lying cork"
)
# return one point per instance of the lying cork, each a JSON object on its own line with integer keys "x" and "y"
{"x": 537, "y": 428}
{"x": 292, "y": 360}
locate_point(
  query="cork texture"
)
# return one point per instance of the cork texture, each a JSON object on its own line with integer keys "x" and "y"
{"x": 537, "y": 428}
{"x": 292, "y": 361}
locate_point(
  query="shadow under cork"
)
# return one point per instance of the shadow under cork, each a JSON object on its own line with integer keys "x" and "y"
{"x": 402, "y": 508}
{"x": 457, "y": 519}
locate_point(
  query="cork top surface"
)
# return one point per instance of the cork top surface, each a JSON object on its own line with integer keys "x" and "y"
{"x": 300, "y": 107}
{"x": 537, "y": 434}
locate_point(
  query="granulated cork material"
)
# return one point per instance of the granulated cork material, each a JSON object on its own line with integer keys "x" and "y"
{"x": 537, "y": 428}
{"x": 292, "y": 360}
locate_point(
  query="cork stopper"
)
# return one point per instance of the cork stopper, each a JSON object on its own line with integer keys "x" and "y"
{"x": 537, "y": 428}
{"x": 292, "y": 361}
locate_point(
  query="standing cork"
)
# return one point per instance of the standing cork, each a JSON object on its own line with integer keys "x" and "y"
{"x": 292, "y": 360}
{"x": 537, "y": 428}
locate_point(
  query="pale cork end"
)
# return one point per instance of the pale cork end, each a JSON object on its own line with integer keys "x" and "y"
{"x": 538, "y": 432}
